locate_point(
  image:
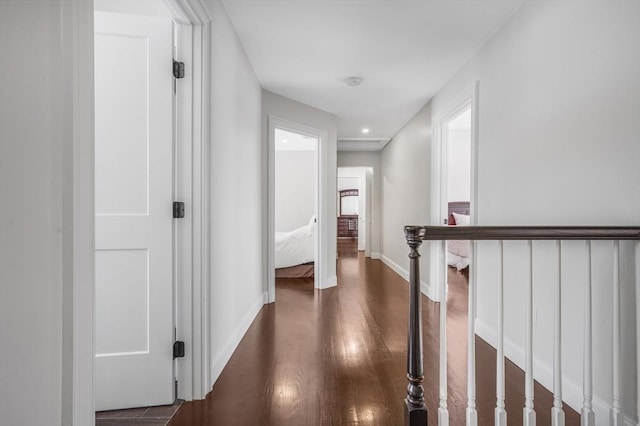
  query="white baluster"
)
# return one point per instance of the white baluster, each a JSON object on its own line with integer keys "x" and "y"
{"x": 617, "y": 419}
{"x": 472, "y": 414}
{"x": 500, "y": 411}
{"x": 443, "y": 412}
{"x": 529, "y": 415}
{"x": 587, "y": 415}
{"x": 557, "y": 414}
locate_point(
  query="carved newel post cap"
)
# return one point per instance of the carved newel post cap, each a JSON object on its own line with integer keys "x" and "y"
{"x": 414, "y": 233}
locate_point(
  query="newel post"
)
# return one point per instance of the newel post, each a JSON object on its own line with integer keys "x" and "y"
{"x": 415, "y": 410}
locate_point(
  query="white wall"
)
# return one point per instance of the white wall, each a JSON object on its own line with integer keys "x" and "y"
{"x": 558, "y": 144}
{"x": 278, "y": 106}
{"x": 236, "y": 174}
{"x": 459, "y": 165}
{"x": 295, "y": 173}
{"x": 138, "y": 7}
{"x": 406, "y": 191}
{"x": 372, "y": 160}
{"x": 32, "y": 253}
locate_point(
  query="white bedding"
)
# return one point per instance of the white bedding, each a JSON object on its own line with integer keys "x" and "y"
{"x": 458, "y": 250}
{"x": 295, "y": 247}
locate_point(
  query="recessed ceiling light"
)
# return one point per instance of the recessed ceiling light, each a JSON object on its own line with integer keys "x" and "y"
{"x": 353, "y": 81}
{"x": 284, "y": 141}
{"x": 365, "y": 130}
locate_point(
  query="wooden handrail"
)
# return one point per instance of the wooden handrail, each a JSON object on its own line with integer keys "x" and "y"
{"x": 524, "y": 232}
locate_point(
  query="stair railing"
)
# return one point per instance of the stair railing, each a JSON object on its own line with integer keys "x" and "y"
{"x": 415, "y": 408}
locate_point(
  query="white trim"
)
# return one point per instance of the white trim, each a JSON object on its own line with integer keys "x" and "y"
{"x": 192, "y": 301}
{"x": 376, "y": 255}
{"x": 321, "y": 281}
{"x": 78, "y": 207}
{"x": 218, "y": 364}
{"x": 80, "y": 56}
{"x": 362, "y": 144}
{"x": 543, "y": 373}
{"x": 468, "y": 98}
{"x": 425, "y": 288}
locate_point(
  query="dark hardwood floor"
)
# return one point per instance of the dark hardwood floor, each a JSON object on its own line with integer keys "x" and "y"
{"x": 338, "y": 357}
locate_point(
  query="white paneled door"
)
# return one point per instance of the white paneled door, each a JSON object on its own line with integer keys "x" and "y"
{"x": 133, "y": 182}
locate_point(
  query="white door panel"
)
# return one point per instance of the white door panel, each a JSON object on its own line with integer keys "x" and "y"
{"x": 133, "y": 107}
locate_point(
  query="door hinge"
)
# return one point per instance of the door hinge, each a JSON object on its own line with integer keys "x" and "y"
{"x": 178, "y": 209}
{"x": 178, "y": 69}
{"x": 178, "y": 349}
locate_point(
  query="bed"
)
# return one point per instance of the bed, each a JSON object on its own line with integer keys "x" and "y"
{"x": 294, "y": 254}
{"x": 458, "y": 250}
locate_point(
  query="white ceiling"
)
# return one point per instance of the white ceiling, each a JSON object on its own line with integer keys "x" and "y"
{"x": 404, "y": 51}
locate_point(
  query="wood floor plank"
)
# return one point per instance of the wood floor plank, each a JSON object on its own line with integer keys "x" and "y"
{"x": 338, "y": 357}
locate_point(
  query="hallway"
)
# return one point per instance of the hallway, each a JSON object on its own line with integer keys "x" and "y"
{"x": 338, "y": 357}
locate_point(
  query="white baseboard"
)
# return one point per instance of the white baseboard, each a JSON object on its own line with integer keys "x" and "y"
{"x": 376, "y": 255}
{"x": 543, "y": 373}
{"x": 220, "y": 361}
{"x": 425, "y": 288}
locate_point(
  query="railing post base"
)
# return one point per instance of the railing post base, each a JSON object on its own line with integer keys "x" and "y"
{"x": 529, "y": 416}
{"x": 587, "y": 417}
{"x": 443, "y": 417}
{"x": 414, "y": 416}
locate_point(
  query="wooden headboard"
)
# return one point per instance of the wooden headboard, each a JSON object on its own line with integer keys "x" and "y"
{"x": 460, "y": 207}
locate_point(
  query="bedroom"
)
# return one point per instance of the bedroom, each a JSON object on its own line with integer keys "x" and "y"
{"x": 295, "y": 205}
{"x": 457, "y": 181}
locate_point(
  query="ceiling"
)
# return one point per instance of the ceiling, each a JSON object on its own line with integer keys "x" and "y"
{"x": 404, "y": 51}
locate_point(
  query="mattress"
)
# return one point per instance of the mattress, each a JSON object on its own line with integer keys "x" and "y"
{"x": 306, "y": 270}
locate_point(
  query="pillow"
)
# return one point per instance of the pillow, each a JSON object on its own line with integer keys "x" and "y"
{"x": 462, "y": 219}
{"x": 452, "y": 220}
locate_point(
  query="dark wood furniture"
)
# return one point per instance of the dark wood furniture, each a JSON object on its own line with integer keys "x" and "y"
{"x": 347, "y": 223}
{"x": 348, "y": 226}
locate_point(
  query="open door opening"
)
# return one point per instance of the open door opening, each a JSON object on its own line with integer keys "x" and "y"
{"x": 453, "y": 189}
{"x": 295, "y": 215}
{"x": 354, "y": 210}
{"x": 295, "y": 219}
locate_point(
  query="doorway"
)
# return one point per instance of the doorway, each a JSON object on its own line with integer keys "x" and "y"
{"x": 191, "y": 185}
{"x": 154, "y": 281}
{"x": 296, "y": 204}
{"x": 457, "y": 138}
{"x": 354, "y": 203}
{"x": 454, "y": 155}
{"x": 282, "y": 129}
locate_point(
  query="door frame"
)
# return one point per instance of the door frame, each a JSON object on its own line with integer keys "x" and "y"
{"x": 367, "y": 184}
{"x": 192, "y": 298}
{"x": 468, "y": 98}
{"x": 319, "y": 179}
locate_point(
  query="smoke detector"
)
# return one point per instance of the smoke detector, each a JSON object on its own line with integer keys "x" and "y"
{"x": 353, "y": 81}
